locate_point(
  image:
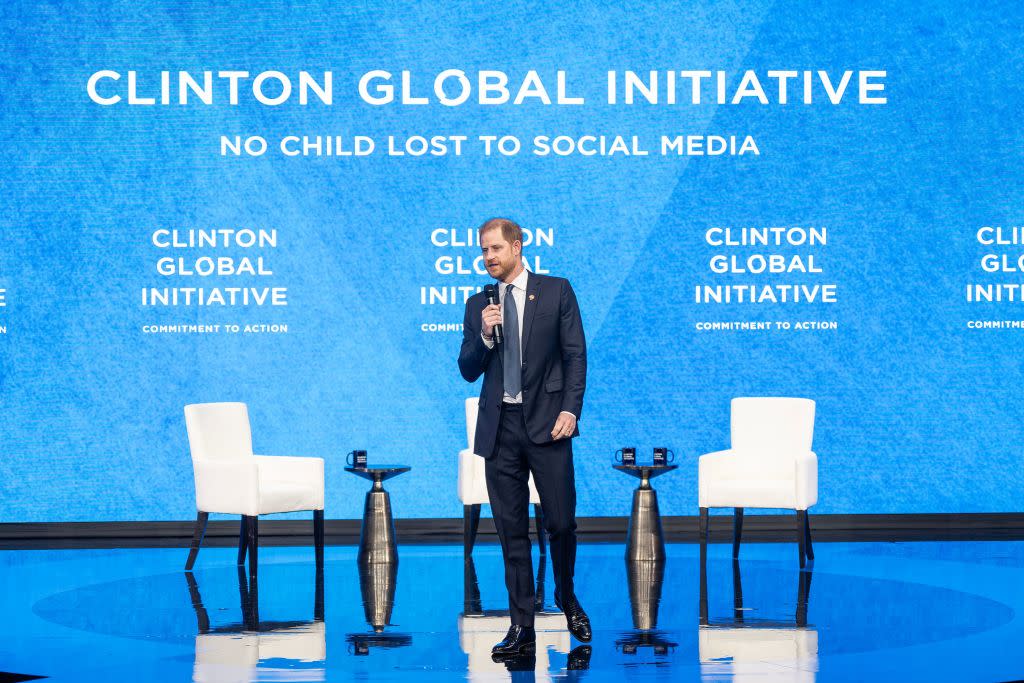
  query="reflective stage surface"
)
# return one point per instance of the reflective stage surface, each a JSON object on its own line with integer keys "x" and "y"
{"x": 866, "y": 611}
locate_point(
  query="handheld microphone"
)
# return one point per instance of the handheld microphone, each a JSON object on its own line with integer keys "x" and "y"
{"x": 491, "y": 292}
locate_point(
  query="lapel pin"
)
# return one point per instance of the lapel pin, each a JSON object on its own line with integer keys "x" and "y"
{"x": 532, "y": 297}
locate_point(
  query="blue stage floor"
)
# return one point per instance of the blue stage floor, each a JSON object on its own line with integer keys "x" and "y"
{"x": 874, "y": 611}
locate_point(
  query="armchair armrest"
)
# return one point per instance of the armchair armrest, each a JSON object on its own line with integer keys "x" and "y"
{"x": 709, "y": 467}
{"x": 290, "y": 468}
{"x": 308, "y": 471}
{"x": 806, "y": 466}
{"x": 715, "y": 458}
{"x": 230, "y": 486}
{"x": 471, "y": 472}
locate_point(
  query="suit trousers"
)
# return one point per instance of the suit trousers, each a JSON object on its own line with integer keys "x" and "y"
{"x": 508, "y": 472}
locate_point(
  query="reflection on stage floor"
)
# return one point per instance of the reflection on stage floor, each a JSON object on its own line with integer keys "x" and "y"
{"x": 937, "y": 610}
{"x": 741, "y": 646}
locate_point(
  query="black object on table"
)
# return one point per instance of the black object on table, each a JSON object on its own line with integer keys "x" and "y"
{"x": 645, "y": 541}
{"x": 377, "y": 536}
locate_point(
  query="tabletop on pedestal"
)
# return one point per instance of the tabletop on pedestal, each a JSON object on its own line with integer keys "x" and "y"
{"x": 378, "y": 472}
{"x": 642, "y": 471}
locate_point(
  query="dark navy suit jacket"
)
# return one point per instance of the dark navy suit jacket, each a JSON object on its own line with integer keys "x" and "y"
{"x": 554, "y": 361}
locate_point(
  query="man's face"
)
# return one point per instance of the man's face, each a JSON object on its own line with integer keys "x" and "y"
{"x": 500, "y": 256}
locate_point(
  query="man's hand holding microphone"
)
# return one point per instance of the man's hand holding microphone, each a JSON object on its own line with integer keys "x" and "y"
{"x": 490, "y": 318}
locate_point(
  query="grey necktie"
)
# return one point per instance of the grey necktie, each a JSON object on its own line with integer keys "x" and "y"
{"x": 511, "y": 355}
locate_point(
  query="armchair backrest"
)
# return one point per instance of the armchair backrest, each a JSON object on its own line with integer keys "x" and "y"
{"x": 218, "y": 430}
{"x": 772, "y": 425}
{"x": 472, "y": 408}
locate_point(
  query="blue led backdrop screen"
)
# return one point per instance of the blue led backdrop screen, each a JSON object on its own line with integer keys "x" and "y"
{"x": 275, "y": 203}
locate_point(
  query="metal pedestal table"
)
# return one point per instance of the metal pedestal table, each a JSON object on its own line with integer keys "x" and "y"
{"x": 377, "y": 538}
{"x": 645, "y": 541}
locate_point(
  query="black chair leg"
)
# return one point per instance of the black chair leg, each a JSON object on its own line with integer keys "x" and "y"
{"x": 801, "y": 521}
{"x": 470, "y": 524}
{"x": 702, "y": 530}
{"x": 737, "y": 593}
{"x": 471, "y": 600}
{"x": 243, "y": 540}
{"x": 703, "y": 606}
{"x": 197, "y": 539}
{"x": 803, "y": 597}
{"x": 248, "y": 593}
{"x": 202, "y": 616}
{"x": 737, "y": 532}
{"x": 252, "y": 527}
{"x": 243, "y": 597}
{"x": 807, "y": 535}
{"x": 538, "y": 520}
{"x": 318, "y": 536}
{"x": 318, "y": 595}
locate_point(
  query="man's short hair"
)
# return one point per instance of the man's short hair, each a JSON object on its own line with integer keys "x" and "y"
{"x": 510, "y": 230}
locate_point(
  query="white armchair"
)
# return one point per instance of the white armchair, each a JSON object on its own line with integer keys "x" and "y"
{"x": 762, "y": 649}
{"x": 770, "y": 465}
{"x": 766, "y": 655}
{"x": 255, "y": 650}
{"x": 472, "y": 486}
{"x": 230, "y": 479}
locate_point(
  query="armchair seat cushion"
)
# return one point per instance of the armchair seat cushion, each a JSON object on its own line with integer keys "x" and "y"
{"x": 751, "y": 493}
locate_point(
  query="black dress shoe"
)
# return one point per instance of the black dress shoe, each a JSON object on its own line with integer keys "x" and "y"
{"x": 517, "y": 662}
{"x": 579, "y": 658}
{"x": 520, "y": 640}
{"x": 575, "y": 618}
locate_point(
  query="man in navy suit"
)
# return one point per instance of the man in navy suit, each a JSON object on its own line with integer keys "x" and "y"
{"x": 531, "y": 400}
